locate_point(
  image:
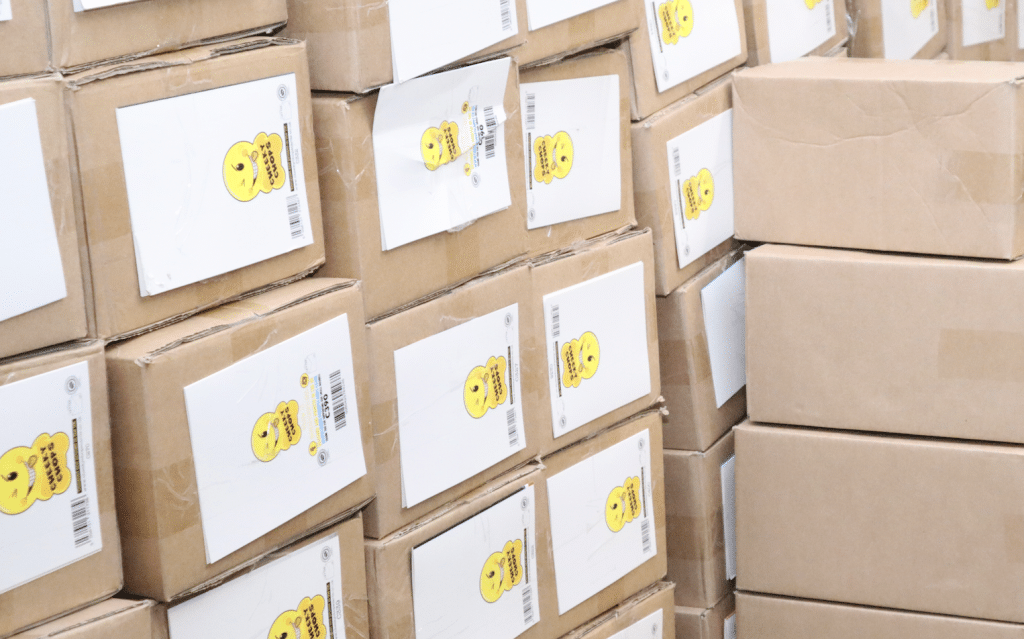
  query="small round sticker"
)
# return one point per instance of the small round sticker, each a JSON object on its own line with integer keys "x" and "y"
{"x": 325, "y": 553}
{"x": 282, "y": 92}
{"x": 71, "y": 385}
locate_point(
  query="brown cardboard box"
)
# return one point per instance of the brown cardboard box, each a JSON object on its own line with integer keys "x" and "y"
{"x": 158, "y": 496}
{"x": 581, "y": 32}
{"x": 350, "y": 42}
{"x": 997, "y": 49}
{"x": 863, "y": 341}
{"x": 910, "y": 524}
{"x": 121, "y": 618}
{"x": 867, "y": 28}
{"x": 717, "y": 622}
{"x": 352, "y": 226}
{"x": 858, "y": 148}
{"x": 646, "y": 99}
{"x": 656, "y": 187}
{"x": 698, "y": 541}
{"x": 102, "y": 200}
{"x": 96, "y": 576}
{"x": 23, "y": 45}
{"x": 78, "y": 39}
{"x": 694, "y": 421}
{"x": 758, "y": 46}
{"x": 596, "y": 63}
{"x": 633, "y": 614}
{"x": 63, "y": 320}
{"x": 582, "y": 266}
{"x": 574, "y": 465}
{"x": 783, "y": 618}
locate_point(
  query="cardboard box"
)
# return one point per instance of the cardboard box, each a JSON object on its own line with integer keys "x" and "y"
{"x": 201, "y": 493}
{"x": 675, "y": 52}
{"x": 778, "y": 31}
{"x": 57, "y": 443}
{"x": 122, "y": 618}
{"x": 352, "y": 220}
{"x": 701, "y": 512}
{"x": 783, "y": 618}
{"x": 717, "y": 622}
{"x": 604, "y": 501}
{"x": 647, "y": 613}
{"x": 978, "y": 31}
{"x": 909, "y": 524}
{"x": 909, "y": 31}
{"x": 553, "y": 33}
{"x": 701, "y": 328}
{"x": 138, "y": 278}
{"x": 599, "y": 296}
{"x": 23, "y": 44}
{"x": 826, "y": 347}
{"x": 350, "y": 41}
{"x": 577, "y": 97}
{"x": 698, "y": 131}
{"x": 42, "y": 270}
{"x": 317, "y": 587}
{"x": 457, "y": 550}
{"x": 858, "y": 148}
{"x": 81, "y": 38}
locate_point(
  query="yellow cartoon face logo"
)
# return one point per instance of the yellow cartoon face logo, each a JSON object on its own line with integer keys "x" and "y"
{"x": 440, "y": 145}
{"x": 552, "y": 155}
{"x": 276, "y": 431}
{"x": 699, "y": 193}
{"x": 36, "y": 473}
{"x": 502, "y": 571}
{"x": 676, "y": 18}
{"x": 486, "y": 387}
{"x": 306, "y": 622}
{"x": 917, "y": 7}
{"x": 623, "y": 504}
{"x": 580, "y": 359}
{"x": 251, "y": 168}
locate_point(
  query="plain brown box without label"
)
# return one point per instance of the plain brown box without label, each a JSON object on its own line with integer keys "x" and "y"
{"x": 694, "y": 623}
{"x": 866, "y": 32}
{"x": 110, "y": 619}
{"x": 630, "y": 612}
{"x": 23, "y": 45}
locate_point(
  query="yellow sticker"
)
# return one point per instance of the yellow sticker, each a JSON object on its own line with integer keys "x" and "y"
{"x": 676, "y": 18}
{"x": 277, "y": 431}
{"x": 623, "y": 504}
{"x": 699, "y": 193}
{"x": 251, "y": 168}
{"x": 502, "y": 571}
{"x": 580, "y": 359}
{"x": 552, "y": 155}
{"x": 305, "y": 622}
{"x": 486, "y": 387}
{"x": 34, "y": 474}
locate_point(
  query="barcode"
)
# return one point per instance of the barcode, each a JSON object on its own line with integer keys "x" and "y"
{"x": 513, "y": 430}
{"x": 531, "y": 111}
{"x": 80, "y": 522}
{"x": 490, "y": 140}
{"x": 506, "y": 14}
{"x": 645, "y": 535}
{"x": 556, "y": 322}
{"x": 528, "y": 604}
{"x": 294, "y": 217}
{"x": 338, "y": 400}
{"x": 677, "y": 162}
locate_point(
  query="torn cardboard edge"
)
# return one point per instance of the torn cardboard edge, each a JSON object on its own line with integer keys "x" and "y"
{"x": 657, "y": 407}
{"x": 49, "y": 350}
{"x": 592, "y": 49}
{"x": 582, "y": 246}
{"x": 594, "y": 624}
{"x": 74, "y": 610}
{"x": 130, "y": 605}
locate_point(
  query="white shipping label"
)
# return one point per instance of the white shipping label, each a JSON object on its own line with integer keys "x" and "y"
{"x": 49, "y": 506}
{"x": 479, "y": 579}
{"x": 297, "y": 596}
{"x": 273, "y": 435}
{"x": 908, "y": 25}
{"x": 650, "y": 627}
{"x": 688, "y": 37}
{"x": 85, "y": 5}
{"x": 215, "y": 181}
{"x": 602, "y": 519}
{"x": 728, "y": 476}
{"x": 421, "y": 32}
{"x": 1020, "y": 28}
{"x": 439, "y": 151}
{"x": 5, "y": 10}
{"x": 725, "y": 324}
{"x": 541, "y": 13}
{"x": 983, "y": 21}
{"x": 700, "y": 166}
{"x": 563, "y": 117}
{"x": 597, "y": 347}
{"x": 31, "y": 273}
{"x": 729, "y": 627}
{"x": 459, "y": 404}
{"x": 797, "y": 27}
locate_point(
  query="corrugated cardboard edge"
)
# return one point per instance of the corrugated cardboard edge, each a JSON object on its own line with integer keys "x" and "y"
{"x": 588, "y": 50}
{"x": 582, "y": 246}
{"x": 668, "y": 111}
{"x": 132, "y": 606}
{"x": 594, "y": 624}
{"x": 657, "y": 407}
{"x": 49, "y": 350}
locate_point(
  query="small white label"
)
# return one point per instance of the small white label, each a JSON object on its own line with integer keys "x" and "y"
{"x": 725, "y": 324}
{"x": 700, "y": 185}
{"x": 5, "y": 10}
{"x": 688, "y": 37}
{"x": 296, "y": 596}
{"x": 907, "y": 26}
{"x": 541, "y": 13}
{"x": 479, "y": 579}
{"x": 85, "y": 5}
{"x": 273, "y": 435}
{"x": 49, "y": 508}
{"x": 602, "y": 519}
{"x": 215, "y": 181}
{"x": 439, "y": 151}
{"x": 31, "y": 273}
{"x": 729, "y": 627}
{"x": 1020, "y": 29}
{"x": 797, "y": 27}
{"x": 983, "y": 21}
{"x": 423, "y": 34}
{"x": 460, "y": 410}
{"x": 650, "y": 627}
{"x": 597, "y": 347}
{"x": 728, "y": 476}
{"x": 572, "y": 151}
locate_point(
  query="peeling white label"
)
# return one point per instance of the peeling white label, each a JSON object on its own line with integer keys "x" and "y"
{"x": 724, "y": 305}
